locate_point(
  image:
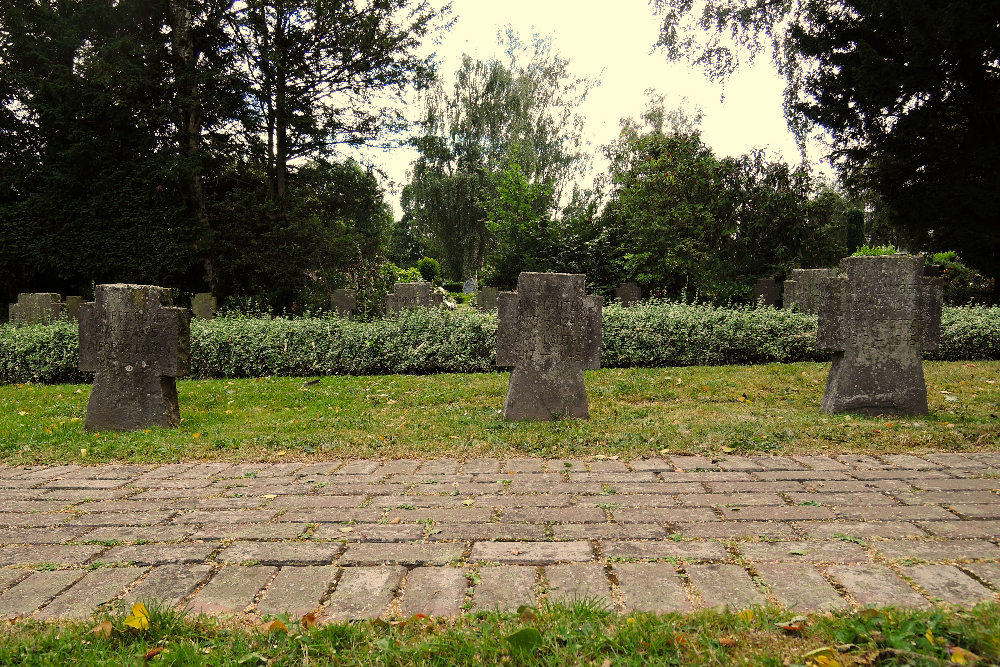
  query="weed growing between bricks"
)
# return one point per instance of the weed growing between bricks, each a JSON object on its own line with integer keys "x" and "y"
{"x": 580, "y": 633}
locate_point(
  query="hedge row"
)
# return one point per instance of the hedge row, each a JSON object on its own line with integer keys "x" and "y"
{"x": 436, "y": 341}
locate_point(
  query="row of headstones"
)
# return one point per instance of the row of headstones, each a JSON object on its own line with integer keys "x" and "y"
{"x": 877, "y": 316}
{"x": 48, "y": 307}
{"x": 802, "y": 290}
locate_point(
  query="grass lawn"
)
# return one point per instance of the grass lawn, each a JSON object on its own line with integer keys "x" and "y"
{"x": 634, "y": 413}
{"x": 579, "y": 635}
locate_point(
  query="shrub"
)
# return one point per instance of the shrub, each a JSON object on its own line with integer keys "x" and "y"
{"x": 653, "y": 334}
{"x": 870, "y": 250}
{"x": 430, "y": 269}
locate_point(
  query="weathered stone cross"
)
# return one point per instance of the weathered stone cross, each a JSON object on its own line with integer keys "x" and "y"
{"x": 877, "y": 316}
{"x": 549, "y": 332}
{"x": 137, "y": 343}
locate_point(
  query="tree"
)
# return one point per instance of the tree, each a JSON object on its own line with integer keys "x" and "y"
{"x": 327, "y": 72}
{"x": 522, "y": 111}
{"x": 907, "y": 91}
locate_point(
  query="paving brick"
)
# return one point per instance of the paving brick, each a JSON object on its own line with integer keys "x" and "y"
{"x": 755, "y": 487}
{"x": 504, "y": 588}
{"x": 606, "y": 531}
{"x": 297, "y": 590}
{"x": 987, "y": 484}
{"x": 434, "y": 591}
{"x": 363, "y": 592}
{"x": 732, "y": 499}
{"x": 876, "y": 586}
{"x": 686, "y": 463}
{"x": 988, "y": 572}
{"x": 158, "y": 554}
{"x": 475, "y": 532}
{"x": 798, "y": 475}
{"x": 578, "y": 581}
{"x": 948, "y": 584}
{"x": 663, "y": 514}
{"x": 544, "y": 500}
{"x": 800, "y": 587}
{"x": 910, "y": 476}
{"x": 522, "y": 465}
{"x": 735, "y": 529}
{"x": 987, "y": 528}
{"x": 863, "y": 462}
{"x": 440, "y": 482}
{"x": 281, "y": 553}
{"x": 312, "y": 502}
{"x": 947, "y": 497}
{"x": 908, "y": 461}
{"x": 225, "y": 516}
{"x": 651, "y": 587}
{"x": 443, "y": 514}
{"x": 654, "y": 464}
{"x": 611, "y": 478}
{"x": 46, "y": 553}
{"x": 730, "y": 464}
{"x": 522, "y": 485}
{"x": 372, "y": 532}
{"x": 33, "y": 519}
{"x": 408, "y": 502}
{"x": 860, "y": 529}
{"x": 442, "y": 466}
{"x": 724, "y": 585}
{"x": 40, "y": 535}
{"x": 937, "y": 550}
{"x": 696, "y": 551}
{"x": 481, "y": 466}
{"x": 231, "y": 590}
{"x": 167, "y": 585}
{"x": 979, "y": 511}
{"x": 10, "y": 577}
{"x": 120, "y": 518}
{"x": 97, "y": 587}
{"x": 821, "y": 463}
{"x": 637, "y": 500}
{"x": 659, "y": 488}
{"x": 955, "y": 461}
{"x": 531, "y": 553}
{"x": 607, "y": 465}
{"x": 813, "y": 551}
{"x": 846, "y": 499}
{"x": 373, "y": 553}
{"x": 707, "y": 477}
{"x": 332, "y": 515}
{"x": 780, "y": 513}
{"x": 31, "y": 593}
{"x": 777, "y": 463}
{"x": 359, "y": 467}
{"x": 251, "y": 531}
{"x": 34, "y": 505}
{"x": 557, "y": 515}
{"x": 895, "y": 513}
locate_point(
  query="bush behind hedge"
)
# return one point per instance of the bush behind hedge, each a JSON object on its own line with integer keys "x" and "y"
{"x": 653, "y": 334}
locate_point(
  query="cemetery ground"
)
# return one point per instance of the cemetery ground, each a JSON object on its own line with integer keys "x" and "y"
{"x": 312, "y": 502}
{"x": 634, "y": 413}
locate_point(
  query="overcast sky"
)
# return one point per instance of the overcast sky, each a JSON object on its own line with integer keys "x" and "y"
{"x": 612, "y": 42}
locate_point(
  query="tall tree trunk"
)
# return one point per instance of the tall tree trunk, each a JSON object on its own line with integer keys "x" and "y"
{"x": 190, "y": 122}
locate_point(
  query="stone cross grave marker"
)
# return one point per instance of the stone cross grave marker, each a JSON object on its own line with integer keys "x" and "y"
{"x": 486, "y": 298}
{"x": 877, "y": 317}
{"x": 137, "y": 343}
{"x": 802, "y": 289}
{"x": 72, "y": 307}
{"x": 344, "y": 301}
{"x": 549, "y": 331}
{"x": 411, "y": 295}
{"x": 204, "y": 305}
{"x": 767, "y": 292}
{"x": 35, "y": 308}
{"x": 628, "y": 293}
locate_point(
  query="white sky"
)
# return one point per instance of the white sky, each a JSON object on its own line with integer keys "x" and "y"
{"x": 614, "y": 45}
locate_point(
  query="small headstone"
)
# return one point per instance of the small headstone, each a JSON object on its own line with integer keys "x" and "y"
{"x": 204, "y": 306}
{"x": 767, "y": 292}
{"x": 549, "y": 331}
{"x": 137, "y": 343}
{"x": 344, "y": 301}
{"x": 802, "y": 289}
{"x": 628, "y": 293}
{"x": 469, "y": 286}
{"x": 486, "y": 299}
{"x": 35, "y": 308}
{"x": 71, "y": 307}
{"x": 877, "y": 316}
{"x": 411, "y": 295}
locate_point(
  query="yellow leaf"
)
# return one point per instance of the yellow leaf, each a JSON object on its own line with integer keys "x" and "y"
{"x": 929, "y": 635}
{"x": 270, "y": 496}
{"x": 961, "y": 656}
{"x": 747, "y": 615}
{"x": 22, "y": 412}
{"x": 823, "y": 661}
{"x": 83, "y": 452}
{"x": 196, "y": 435}
{"x": 139, "y": 619}
{"x": 282, "y": 452}
{"x": 275, "y": 626}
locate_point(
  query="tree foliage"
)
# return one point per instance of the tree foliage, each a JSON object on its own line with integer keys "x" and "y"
{"x": 906, "y": 90}
{"x": 496, "y": 114}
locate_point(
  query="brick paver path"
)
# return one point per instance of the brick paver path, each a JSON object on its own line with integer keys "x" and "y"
{"x": 369, "y": 538}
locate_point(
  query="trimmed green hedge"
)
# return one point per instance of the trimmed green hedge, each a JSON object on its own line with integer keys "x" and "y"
{"x": 654, "y": 334}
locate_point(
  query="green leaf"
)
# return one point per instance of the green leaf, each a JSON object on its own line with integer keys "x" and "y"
{"x": 525, "y": 639}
